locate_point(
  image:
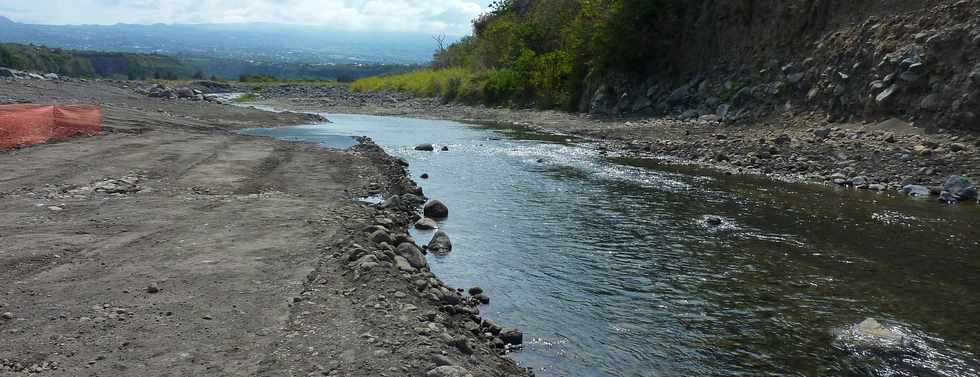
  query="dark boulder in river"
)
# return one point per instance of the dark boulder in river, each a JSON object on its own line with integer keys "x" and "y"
{"x": 435, "y": 209}
{"x": 425, "y": 147}
{"x": 440, "y": 243}
{"x": 512, "y": 337}
{"x": 958, "y": 189}
{"x": 426, "y": 224}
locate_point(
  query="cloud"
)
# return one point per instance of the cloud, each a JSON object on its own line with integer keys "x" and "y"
{"x": 440, "y": 16}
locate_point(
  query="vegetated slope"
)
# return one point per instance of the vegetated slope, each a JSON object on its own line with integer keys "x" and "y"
{"x": 133, "y": 66}
{"x": 730, "y": 60}
{"x": 89, "y": 63}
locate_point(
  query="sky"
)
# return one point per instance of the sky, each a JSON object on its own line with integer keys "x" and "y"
{"x": 429, "y": 16}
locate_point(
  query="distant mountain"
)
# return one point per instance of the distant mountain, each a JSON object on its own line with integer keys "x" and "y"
{"x": 271, "y": 43}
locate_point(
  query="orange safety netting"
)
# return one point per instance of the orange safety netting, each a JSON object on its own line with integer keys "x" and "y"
{"x": 23, "y": 125}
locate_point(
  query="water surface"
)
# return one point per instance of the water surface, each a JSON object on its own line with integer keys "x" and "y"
{"x": 611, "y": 269}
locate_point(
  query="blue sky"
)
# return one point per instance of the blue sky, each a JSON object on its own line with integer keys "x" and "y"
{"x": 430, "y": 16}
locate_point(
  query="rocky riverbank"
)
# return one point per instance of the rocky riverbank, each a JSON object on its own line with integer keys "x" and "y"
{"x": 171, "y": 245}
{"x": 892, "y": 156}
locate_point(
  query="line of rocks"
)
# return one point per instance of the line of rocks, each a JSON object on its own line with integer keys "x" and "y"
{"x": 385, "y": 248}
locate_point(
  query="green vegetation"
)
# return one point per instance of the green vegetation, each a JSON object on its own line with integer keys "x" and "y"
{"x": 539, "y": 52}
{"x": 134, "y": 66}
{"x": 88, "y": 63}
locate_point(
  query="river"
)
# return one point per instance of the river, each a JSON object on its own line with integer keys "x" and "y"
{"x": 611, "y": 268}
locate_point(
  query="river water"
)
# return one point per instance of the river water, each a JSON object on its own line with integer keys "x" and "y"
{"x": 611, "y": 269}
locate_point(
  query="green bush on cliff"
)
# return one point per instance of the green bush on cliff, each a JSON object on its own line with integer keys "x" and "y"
{"x": 538, "y": 52}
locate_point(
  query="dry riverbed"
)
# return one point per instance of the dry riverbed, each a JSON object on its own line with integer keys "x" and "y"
{"x": 170, "y": 245}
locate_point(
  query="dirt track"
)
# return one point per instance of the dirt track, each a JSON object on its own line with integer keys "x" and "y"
{"x": 168, "y": 245}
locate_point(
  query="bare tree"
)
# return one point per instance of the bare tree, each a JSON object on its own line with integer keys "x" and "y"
{"x": 439, "y": 58}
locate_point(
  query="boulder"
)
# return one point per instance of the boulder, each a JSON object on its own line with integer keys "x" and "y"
{"x": 958, "y": 188}
{"x": 512, "y": 337}
{"x": 185, "y": 92}
{"x": 822, "y": 133}
{"x": 52, "y": 76}
{"x": 425, "y": 147}
{"x": 4, "y": 72}
{"x": 440, "y": 243}
{"x": 380, "y": 236}
{"x": 412, "y": 254}
{"x": 435, "y": 209}
{"x": 915, "y": 190}
{"x": 426, "y": 224}
{"x": 871, "y": 334}
{"x": 859, "y": 182}
{"x": 448, "y": 371}
{"x": 403, "y": 264}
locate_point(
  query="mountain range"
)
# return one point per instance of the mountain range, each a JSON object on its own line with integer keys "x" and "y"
{"x": 262, "y": 42}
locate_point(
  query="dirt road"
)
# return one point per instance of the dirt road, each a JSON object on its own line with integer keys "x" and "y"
{"x": 171, "y": 246}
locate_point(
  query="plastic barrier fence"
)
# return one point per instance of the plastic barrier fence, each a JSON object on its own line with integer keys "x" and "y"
{"x": 24, "y": 125}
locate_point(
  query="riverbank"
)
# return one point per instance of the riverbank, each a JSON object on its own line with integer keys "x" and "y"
{"x": 885, "y": 157}
{"x": 171, "y": 245}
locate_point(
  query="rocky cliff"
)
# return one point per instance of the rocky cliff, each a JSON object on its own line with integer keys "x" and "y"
{"x": 854, "y": 60}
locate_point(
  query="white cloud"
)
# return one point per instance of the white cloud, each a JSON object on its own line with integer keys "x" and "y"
{"x": 439, "y": 16}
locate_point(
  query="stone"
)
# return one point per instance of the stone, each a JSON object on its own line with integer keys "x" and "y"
{"x": 482, "y": 298}
{"x": 440, "y": 243}
{"x": 959, "y": 188}
{"x": 932, "y": 102}
{"x": 887, "y": 96}
{"x": 434, "y": 209}
{"x": 185, "y": 92}
{"x": 448, "y": 371}
{"x": 462, "y": 343}
{"x": 512, "y": 337}
{"x": 783, "y": 139}
{"x": 403, "y": 264}
{"x": 425, "y": 147}
{"x": 822, "y": 133}
{"x": 871, "y": 334}
{"x": 426, "y": 224}
{"x": 859, "y": 182}
{"x": 424, "y": 176}
{"x": 380, "y": 236}
{"x": 152, "y": 288}
{"x": 440, "y": 360}
{"x": 52, "y": 77}
{"x": 445, "y": 149}
{"x": 475, "y": 291}
{"x": 7, "y": 316}
{"x": 450, "y": 298}
{"x": 412, "y": 254}
{"x": 714, "y": 220}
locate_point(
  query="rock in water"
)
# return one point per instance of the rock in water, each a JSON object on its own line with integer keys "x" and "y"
{"x": 425, "y": 147}
{"x": 434, "y": 209}
{"x": 440, "y": 243}
{"x": 958, "y": 188}
{"x": 448, "y": 371}
{"x": 871, "y": 334}
{"x": 915, "y": 190}
{"x": 412, "y": 254}
{"x": 512, "y": 337}
{"x": 714, "y": 221}
{"x": 426, "y": 224}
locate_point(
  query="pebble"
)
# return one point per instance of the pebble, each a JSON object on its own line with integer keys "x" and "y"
{"x": 7, "y": 316}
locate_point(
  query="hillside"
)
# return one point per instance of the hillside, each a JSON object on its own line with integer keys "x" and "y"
{"x": 730, "y": 60}
{"x": 134, "y": 66}
{"x": 267, "y": 43}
